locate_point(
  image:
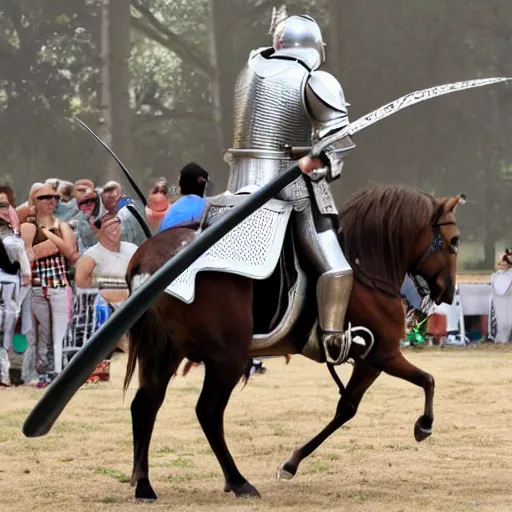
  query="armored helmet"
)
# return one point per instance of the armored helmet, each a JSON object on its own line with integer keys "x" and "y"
{"x": 299, "y": 37}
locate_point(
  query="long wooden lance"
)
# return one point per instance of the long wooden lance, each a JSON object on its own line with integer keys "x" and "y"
{"x": 103, "y": 341}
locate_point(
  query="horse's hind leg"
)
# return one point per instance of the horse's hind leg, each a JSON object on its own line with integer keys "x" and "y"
{"x": 220, "y": 379}
{"x": 363, "y": 376}
{"x": 399, "y": 367}
{"x": 144, "y": 409}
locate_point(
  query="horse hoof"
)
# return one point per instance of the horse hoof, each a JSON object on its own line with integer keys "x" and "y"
{"x": 286, "y": 471}
{"x": 421, "y": 433}
{"x": 245, "y": 490}
{"x": 144, "y": 491}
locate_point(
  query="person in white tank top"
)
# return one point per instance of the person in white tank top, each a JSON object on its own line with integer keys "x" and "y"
{"x": 107, "y": 260}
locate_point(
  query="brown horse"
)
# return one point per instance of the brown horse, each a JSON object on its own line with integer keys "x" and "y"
{"x": 385, "y": 233}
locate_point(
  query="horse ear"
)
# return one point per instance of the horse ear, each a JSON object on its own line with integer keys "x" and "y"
{"x": 452, "y": 203}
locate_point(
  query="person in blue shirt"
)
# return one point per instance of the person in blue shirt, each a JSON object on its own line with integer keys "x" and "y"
{"x": 188, "y": 208}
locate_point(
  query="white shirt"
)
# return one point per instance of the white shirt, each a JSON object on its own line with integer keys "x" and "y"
{"x": 110, "y": 263}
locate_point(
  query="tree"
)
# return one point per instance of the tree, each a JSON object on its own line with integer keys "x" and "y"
{"x": 115, "y": 105}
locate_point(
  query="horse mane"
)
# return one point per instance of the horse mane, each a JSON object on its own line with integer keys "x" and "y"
{"x": 377, "y": 229}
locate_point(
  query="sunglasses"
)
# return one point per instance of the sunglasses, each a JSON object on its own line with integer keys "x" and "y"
{"x": 49, "y": 197}
{"x": 92, "y": 200}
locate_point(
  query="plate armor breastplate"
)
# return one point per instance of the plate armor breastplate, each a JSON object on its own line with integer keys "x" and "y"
{"x": 269, "y": 118}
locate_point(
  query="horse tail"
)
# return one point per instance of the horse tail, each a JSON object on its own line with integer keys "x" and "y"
{"x": 151, "y": 349}
{"x": 133, "y": 355}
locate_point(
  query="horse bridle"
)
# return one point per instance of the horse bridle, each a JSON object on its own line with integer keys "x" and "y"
{"x": 437, "y": 242}
{"x": 436, "y": 245}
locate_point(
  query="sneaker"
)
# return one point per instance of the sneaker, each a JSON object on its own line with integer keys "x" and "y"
{"x": 45, "y": 380}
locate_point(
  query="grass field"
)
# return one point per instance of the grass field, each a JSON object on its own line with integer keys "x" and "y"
{"x": 372, "y": 464}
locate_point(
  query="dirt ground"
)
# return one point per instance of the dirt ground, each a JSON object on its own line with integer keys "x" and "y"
{"x": 372, "y": 464}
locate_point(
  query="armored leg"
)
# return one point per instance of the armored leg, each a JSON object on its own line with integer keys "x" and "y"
{"x": 318, "y": 240}
{"x": 333, "y": 293}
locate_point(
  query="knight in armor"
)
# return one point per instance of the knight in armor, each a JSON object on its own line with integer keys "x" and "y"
{"x": 283, "y": 105}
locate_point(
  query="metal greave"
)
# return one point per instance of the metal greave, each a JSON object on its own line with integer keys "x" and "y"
{"x": 333, "y": 294}
{"x": 336, "y": 278}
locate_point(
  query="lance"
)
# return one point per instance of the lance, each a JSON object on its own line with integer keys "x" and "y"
{"x": 116, "y": 158}
{"x": 103, "y": 342}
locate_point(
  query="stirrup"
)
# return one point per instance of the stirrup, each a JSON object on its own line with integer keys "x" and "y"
{"x": 344, "y": 346}
{"x": 359, "y": 340}
{"x": 346, "y": 343}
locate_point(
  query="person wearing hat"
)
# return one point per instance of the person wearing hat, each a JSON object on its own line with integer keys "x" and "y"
{"x": 51, "y": 247}
{"x": 188, "y": 208}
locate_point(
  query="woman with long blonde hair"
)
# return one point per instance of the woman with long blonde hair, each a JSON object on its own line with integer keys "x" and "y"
{"x": 52, "y": 249}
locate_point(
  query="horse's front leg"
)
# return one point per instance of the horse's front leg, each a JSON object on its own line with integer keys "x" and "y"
{"x": 361, "y": 379}
{"x": 398, "y": 366}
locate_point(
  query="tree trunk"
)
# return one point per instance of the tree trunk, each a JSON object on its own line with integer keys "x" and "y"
{"x": 116, "y": 118}
{"x": 492, "y": 172}
{"x": 222, "y": 85}
{"x": 105, "y": 111}
{"x": 334, "y": 39}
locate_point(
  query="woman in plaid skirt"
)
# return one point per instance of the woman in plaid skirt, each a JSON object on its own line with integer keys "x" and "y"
{"x": 52, "y": 248}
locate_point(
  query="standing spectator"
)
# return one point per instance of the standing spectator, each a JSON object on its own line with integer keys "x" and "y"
{"x": 13, "y": 262}
{"x": 188, "y": 208}
{"x": 67, "y": 208}
{"x": 82, "y": 188}
{"x": 91, "y": 208}
{"x": 51, "y": 246}
{"x": 107, "y": 260}
{"x": 26, "y": 209}
{"x": 113, "y": 197}
{"x": 114, "y": 201}
{"x": 158, "y": 204}
{"x": 100, "y": 274}
{"x": 500, "y": 317}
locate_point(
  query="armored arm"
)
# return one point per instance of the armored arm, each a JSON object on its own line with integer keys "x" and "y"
{"x": 326, "y": 105}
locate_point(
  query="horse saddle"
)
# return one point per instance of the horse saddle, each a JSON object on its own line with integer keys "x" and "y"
{"x": 261, "y": 248}
{"x": 251, "y": 249}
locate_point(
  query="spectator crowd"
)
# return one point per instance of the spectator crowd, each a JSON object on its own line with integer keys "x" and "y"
{"x": 63, "y": 258}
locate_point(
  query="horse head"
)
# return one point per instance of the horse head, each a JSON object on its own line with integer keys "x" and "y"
{"x": 437, "y": 249}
